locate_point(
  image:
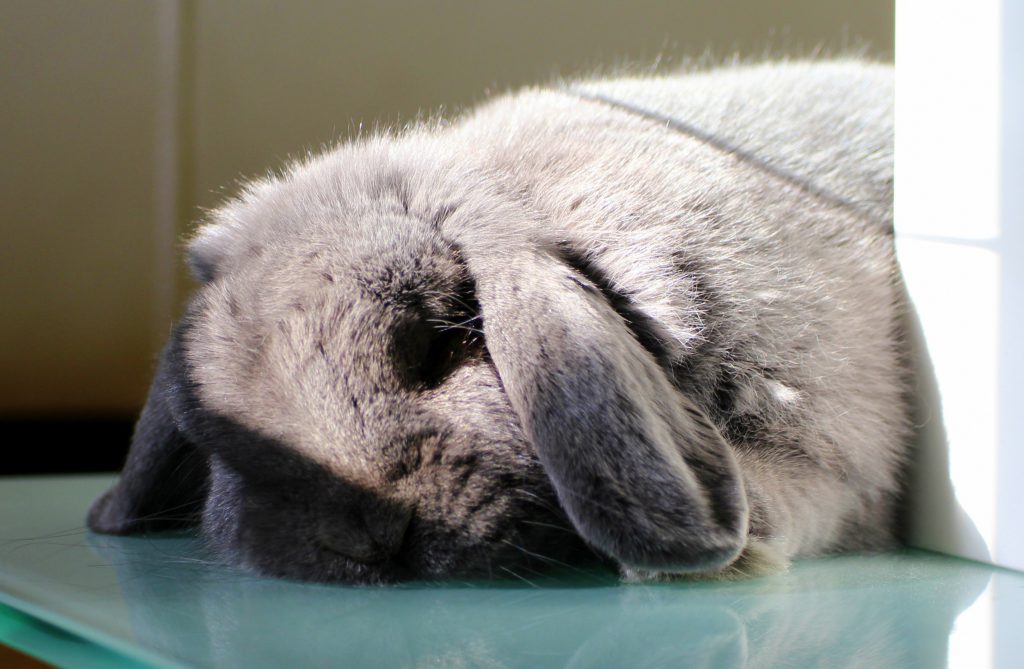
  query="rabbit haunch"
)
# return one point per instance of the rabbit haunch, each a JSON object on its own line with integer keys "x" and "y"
{"x": 467, "y": 346}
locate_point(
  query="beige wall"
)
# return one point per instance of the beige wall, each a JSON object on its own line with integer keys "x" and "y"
{"x": 93, "y": 92}
{"x": 78, "y": 89}
{"x": 272, "y": 80}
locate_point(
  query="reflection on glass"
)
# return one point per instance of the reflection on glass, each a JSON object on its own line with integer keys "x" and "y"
{"x": 852, "y": 611}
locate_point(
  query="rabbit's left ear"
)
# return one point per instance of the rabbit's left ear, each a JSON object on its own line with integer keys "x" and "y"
{"x": 164, "y": 480}
{"x": 639, "y": 468}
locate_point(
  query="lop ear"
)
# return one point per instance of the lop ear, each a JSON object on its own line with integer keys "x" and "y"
{"x": 207, "y": 251}
{"x": 639, "y": 468}
{"x": 164, "y": 480}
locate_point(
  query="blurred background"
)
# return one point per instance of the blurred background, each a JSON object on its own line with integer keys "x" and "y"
{"x": 121, "y": 120}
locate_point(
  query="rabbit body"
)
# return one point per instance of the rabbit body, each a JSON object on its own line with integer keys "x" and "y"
{"x": 660, "y": 315}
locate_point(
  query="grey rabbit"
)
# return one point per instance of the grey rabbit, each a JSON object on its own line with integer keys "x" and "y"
{"x": 652, "y": 319}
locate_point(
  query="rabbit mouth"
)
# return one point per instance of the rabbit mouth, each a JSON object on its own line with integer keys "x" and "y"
{"x": 521, "y": 542}
{"x": 426, "y": 555}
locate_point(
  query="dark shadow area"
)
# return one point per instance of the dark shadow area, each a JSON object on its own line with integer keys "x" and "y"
{"x": 64, "y": 444}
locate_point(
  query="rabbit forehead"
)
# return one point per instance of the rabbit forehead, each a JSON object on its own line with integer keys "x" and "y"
{"x": 296, "y": 384}
{"x": 301, "y": 347}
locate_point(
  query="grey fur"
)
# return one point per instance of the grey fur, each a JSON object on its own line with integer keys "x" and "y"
{"x": 456, "y": 348}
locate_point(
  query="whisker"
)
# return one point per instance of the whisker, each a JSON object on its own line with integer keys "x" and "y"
{"x": 544, "y": 558}
{"x": 551, "y": 525}
{"x": 451, "y": 325}
{"x": 521, "y": 578}
{"x": 158, "y": 515}
{"x": 541, "y": 502}
{"x": 454, "y": 298}
{"x": 59, "y": 534}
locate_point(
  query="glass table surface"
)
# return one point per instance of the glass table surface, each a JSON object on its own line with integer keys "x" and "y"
{"x": 77, "y": 599}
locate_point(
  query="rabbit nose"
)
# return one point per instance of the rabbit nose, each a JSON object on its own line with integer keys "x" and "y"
{"x": 370, "y": 535}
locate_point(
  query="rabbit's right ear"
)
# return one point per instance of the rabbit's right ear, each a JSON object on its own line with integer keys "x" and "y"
{"x": 640, "y": 469}
{"x": 164, "y": 480}
{"x": 208, "y": 250}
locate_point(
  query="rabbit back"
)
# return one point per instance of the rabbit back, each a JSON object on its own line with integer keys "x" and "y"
{"x": 762, "y": 278}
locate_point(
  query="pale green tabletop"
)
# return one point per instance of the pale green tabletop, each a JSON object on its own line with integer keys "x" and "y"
{"x": 81, "y": 600}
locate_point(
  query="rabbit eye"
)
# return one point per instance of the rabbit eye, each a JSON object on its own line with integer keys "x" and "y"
{"x": 439, "y": 331}
{"x": 453, "y": 341}
{"x": 430, "y": 347}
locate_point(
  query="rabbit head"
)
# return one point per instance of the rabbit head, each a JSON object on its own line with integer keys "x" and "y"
{"x": 373, "y": 384}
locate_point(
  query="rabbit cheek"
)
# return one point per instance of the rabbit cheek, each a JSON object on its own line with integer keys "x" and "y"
{"x": 483, "y": 502}
{"x": 486, "y": 529}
